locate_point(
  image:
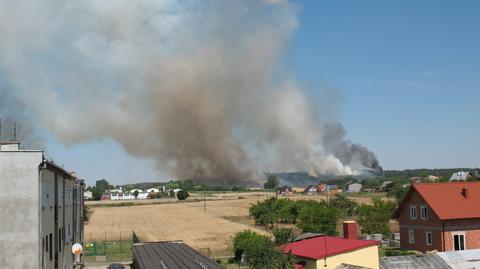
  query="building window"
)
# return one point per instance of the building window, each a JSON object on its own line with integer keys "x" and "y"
{"x": 411, "y": 236}
{"x": 51, "y": 245}
{"x": 413, "y": 212}
{"x": 59, "y": 240}
{"x": 459, "y": 242}
{"x": 429, "y": 238}
{"x": 423, "y": 212}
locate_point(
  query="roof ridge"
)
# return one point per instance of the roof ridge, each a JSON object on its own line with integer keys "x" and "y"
{"x": 441, "y": 183}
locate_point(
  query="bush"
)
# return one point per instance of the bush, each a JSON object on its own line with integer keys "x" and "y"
{"x": 283, "y": 236}
{"x": 182, "y": 195}
{"x": 397, "y": 252}
{"x": 287, "y": 211}
{"x": 375, "y": 218}
{"x": 259, "y": 251}
{"x": 85, "y": 213}
{"x": 318, "y": 217}
{"x": 264, "y": 212}
{"x": 271, "y": 183}
{"x": 135, "y": 238}
{"x": 346, "y": 206}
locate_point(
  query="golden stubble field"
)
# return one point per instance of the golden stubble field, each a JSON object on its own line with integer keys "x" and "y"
{"x": 170, "y": 220}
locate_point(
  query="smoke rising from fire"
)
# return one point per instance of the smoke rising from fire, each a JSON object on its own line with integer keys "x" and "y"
{"x": 193, "y": 85}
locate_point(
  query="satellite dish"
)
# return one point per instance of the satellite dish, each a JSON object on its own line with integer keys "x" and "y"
{"x": 77, "y": 249}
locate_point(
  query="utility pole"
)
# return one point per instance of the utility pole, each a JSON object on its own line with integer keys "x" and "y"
{"x": 204, "y": 199}
{"x": 14, "y": 131}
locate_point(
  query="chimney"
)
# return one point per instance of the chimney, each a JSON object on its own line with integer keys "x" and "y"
{"x": 10, "y": 146}
{"x": 350, "y": 229}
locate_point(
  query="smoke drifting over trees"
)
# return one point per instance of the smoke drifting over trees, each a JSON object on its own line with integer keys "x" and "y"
{"x": 193, "y": 85}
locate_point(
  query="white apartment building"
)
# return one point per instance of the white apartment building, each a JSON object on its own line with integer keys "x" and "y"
{"x": 41, "y": 206}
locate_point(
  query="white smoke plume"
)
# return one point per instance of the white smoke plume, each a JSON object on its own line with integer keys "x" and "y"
{"x": 193, "y": 85}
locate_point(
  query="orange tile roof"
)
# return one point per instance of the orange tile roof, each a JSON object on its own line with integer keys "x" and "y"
{"x": 454, "y": 200}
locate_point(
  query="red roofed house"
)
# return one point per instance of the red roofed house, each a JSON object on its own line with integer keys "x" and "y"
{"x": 440, "y": 216}
{"x": 334, "y": 252}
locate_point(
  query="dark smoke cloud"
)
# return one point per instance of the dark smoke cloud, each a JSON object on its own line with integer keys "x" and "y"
{"x": 356, "y": 155}
{"x": 16, "y": 124}
{"x": 193, "y": 85}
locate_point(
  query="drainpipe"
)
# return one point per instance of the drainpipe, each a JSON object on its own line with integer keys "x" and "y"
{"x": 443, "y": 236}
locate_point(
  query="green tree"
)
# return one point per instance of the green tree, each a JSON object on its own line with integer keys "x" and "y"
{"x": 135, "y": 238}
{"x": 398, "y": 191}
{"x": 172, "y": 185}
{"x": 103, "y": 184}
{"x": 85, "y": 213}
{"x": 271, "y": 183}
{"x": 97, "y": 193}
{"x": 375, "y": 218}
{"x": 99, "y": 189}
{"x": 135, "y": 193}
{"x": 283, "y": 236}
{"x": 182, "y": 195}
{"x": 287, "y": 211}
{"x": 318, "y": 217}
{"x": 259, "y": 251}
{"x": 346, "y": 206}
{"x": 263, "y": 214}
{"x": 186, "y": 185}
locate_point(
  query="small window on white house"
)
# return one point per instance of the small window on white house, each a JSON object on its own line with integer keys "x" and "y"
{"x": 429, "y": 239}
{"x": 413, "y": 212}
{"x": 423, "y": 212}
{"x": 411, "y": 236}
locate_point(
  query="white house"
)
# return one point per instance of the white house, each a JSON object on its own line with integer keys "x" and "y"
{"x": 154, "y": 190}
{"x": 87, "y": 195}
{"x": 460, "y": 176}
{"x": 134, "y": 190}
{"x": 354, "y": 188}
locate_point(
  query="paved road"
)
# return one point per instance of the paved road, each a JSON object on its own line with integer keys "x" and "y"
{"x": 102, "y": 265}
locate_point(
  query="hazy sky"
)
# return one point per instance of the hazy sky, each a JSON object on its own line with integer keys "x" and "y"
{"x": 404, "y": 78}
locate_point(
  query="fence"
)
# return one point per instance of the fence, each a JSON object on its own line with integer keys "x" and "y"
{"x": 112, "y": 247}
{"x": 117, "y": 247}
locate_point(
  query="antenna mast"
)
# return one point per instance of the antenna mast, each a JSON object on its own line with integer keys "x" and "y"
{"x": 14, "y": 131}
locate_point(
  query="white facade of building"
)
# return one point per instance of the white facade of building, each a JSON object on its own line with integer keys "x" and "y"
{"x": 154, "y": 190}
{"x": 42, "y": 211}
{"x": 88, "y": 195}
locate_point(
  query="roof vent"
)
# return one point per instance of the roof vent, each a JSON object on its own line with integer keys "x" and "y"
{"x": 465, "y": 193}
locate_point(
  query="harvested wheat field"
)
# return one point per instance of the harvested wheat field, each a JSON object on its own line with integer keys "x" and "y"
{"x": 227, "y": 214}
{"x": 175, "y": 221}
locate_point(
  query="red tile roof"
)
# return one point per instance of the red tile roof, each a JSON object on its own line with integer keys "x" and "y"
{"x": 449, "y": 201}
{"x": 315, "y": 248}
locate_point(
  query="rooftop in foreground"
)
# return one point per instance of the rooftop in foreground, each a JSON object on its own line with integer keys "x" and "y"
{"x": 315, "y": 249}
{"x": 171, "y": 255}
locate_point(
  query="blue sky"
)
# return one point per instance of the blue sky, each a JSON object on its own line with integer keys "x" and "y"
{"x": 405, "y": 75}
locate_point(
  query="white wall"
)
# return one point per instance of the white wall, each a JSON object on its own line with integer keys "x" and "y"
{"x": 19, "y": 203}
{"x": 27, "y": 208}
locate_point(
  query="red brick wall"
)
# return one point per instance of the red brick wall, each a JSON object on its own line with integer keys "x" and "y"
{"x": 471, "y": 227}
{"x": 433, "y": 224}
{"x": 420, "y": 226}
